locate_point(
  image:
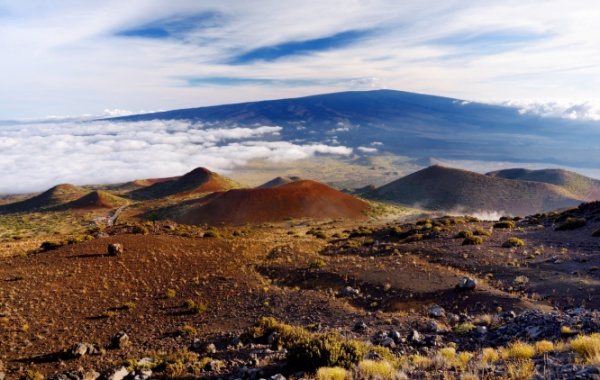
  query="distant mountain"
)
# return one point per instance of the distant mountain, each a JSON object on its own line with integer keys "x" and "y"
{"x": 581, "y": 186}
{"x": 279, "y": 181}
{"x": 300, "y": 199}
{"x": 447, "y": 189}
{"x": 57, "y": 195}
{"x": 198, "y": 181}
{"x": 409, "y": 124}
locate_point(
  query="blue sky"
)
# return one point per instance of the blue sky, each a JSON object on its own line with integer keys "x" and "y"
{"x": 70, "y": 57}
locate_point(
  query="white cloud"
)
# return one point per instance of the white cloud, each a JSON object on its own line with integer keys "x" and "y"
{"x": 66, "y": 57}
{"x": 365, "y": 149}
{"x": 37, "y": 156}
{"x": 564, "y": 109}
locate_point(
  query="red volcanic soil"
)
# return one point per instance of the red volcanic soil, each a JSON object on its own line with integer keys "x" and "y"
{"x": 301, "y": 199}
{"x": 198, "y": 181}
{"x": 94, "y": 200}
{"x": 55, "y": 196}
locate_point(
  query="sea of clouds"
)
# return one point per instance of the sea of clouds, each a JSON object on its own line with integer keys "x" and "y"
{"x": 37, "y": 155}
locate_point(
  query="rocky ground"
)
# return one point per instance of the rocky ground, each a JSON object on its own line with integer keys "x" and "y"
{"x": 177, "y": 300}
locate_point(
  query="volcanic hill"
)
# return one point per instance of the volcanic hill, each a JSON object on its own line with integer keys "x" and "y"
{"x": 197, "y": 182}
{"x": 279, "y": 181}
{"x": 300, "y": 199}
{"x": 448, "y": 189}
{"x": 55, "y": 196}
{"x": 95, "y": 200}
{"x": 581, "y": 186}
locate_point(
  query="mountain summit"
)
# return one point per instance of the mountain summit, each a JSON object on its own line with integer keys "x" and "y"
{"x": 408, "y": 124}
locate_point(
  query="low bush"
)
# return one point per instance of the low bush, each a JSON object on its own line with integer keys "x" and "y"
{"x": 332, "y": 373}
{"x": 309, "y": 351}
{"x": 571, "y": 224}
{"x": 481, "y": 232}
{"x": 596, "y": 233}
{"x": 472, "y": 240}
{"x": 513, "y": 242}
{"x": 464, "y": 234}
{"x": 504, "y": 224}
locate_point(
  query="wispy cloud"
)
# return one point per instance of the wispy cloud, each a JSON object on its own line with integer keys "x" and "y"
{"x": 80, "y": 57}
{"x": 38, "y": 156}
{"x": 564, "y": 109}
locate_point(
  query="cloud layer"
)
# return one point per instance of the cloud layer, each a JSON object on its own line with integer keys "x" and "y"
{"x": 73, "y": 57}
{"x": 37, "y": 156}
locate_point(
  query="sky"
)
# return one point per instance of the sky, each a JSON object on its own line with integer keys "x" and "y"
{"x": 65, "y": 62}
{"x": 73, "y": 57}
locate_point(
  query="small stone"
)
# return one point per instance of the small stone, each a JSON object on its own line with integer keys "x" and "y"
{"x": 349, "y": 291}
{"x": 414, "y": 336}
{"x": 395, "y": 335}
{"x": 433, "y": 326}
{"x": 120, "y": 340}
{"x": 272, "y": 337}
{"x": 116, "y": 373}
{"x": 373, "y": 356}
{"x": 90, "y": 375}
{"x": 213, "y": 366}
{"x": 278, "y": 377}
{"x": 481, "y": 330}
{"x": 436, "y": 311}
{"x": 467, "y": 283}
{"x": 115, "y": 249}
{"x": 78, "y": 350}
{"x": 210, "y": 348}
{"x": 388, "y": 342}
{"x": 143, "y": 374}
{"x": 360, "y": 326}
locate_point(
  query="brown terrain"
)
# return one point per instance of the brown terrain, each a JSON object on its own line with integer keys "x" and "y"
{"x": 310, "y": 257}
{"x": 300, "y": 199}
{"x": 442, "y": 188}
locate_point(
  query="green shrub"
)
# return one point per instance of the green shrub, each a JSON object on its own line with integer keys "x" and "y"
{"x": 571, "y": 224}
{"x": 318, "y": 263}
{"x": 415, "y": 237}
{"x": 188, "y": 331}
{"x": 307, "y": 351}
{"x": 504, "y": 224}
{"x": 464, "y": 328}
{"x": 139, "y": 229}
{"x": 464, "y": 234}
{"x": 481, "y": 232}
{"x": 212, "y": 234}
{"x": 596, "y": 233}
{"x": 513, "y": 242}
{"x": 32, "y": 375}
{"x": 198, "y": 308}
{"x": 472, "y": 240}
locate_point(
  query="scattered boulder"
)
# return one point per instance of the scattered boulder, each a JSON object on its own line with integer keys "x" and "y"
{"x": 115, "y": 249}
{"x": 116, "y": 374}
{"x": 360, "y": 326}
{"x": 436, "y": 311}
{"x": 466, "y": 283}
{"x": 120, "y": 340}
{"x": 80, "y": 349}
{"x": 143, "y": 374}
{"x": 374, "y": 356}
{"x": 349, "y": 291}
{"x": 414, "y": 336}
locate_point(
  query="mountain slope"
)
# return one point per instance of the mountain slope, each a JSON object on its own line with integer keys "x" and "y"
{"x": 198, "y": 181}
{"x": 409, "y": 124}
{"x": 52, "y": 197}
{"x": 278, "y": 181}
{"x": 95, "y": 200}
{"x": 447, "y": 189}
{"x": 300, "y": 199}
{"x": 586, "y": 188}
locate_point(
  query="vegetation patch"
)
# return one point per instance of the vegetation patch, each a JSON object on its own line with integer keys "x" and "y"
{"x": 571, "y": 224}
{"x": 513, "y": 242}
